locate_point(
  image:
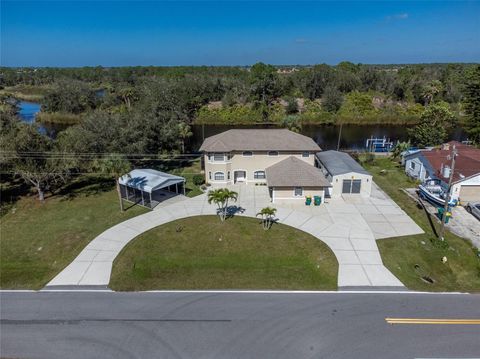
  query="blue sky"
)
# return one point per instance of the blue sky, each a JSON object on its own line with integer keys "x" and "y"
{"x": 117, "y": 33}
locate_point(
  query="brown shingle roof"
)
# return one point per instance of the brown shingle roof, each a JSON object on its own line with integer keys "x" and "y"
{"x": 259, "y": 140}
{"x": 295, "y": 172}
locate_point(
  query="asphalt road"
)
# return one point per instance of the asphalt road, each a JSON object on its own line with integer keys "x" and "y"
{"x": 226, "y": 325}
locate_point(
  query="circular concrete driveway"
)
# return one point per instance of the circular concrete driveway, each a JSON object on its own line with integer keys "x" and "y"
{"x": 349, "y": 226}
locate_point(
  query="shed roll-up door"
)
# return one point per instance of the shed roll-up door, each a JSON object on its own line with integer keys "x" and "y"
{"x": 351, "y": 186}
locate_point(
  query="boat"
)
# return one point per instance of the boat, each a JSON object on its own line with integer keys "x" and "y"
{"x": 432, "y": 191}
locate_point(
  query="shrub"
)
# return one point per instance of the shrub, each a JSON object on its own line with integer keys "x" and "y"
{"x": 198, "y": 180}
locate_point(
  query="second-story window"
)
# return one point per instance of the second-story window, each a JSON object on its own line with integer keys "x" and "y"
{"x": 305, "y": 154}
{"x": 218, "y": 157}
{"x": 247, "y": 153}
{"x": 273, "y": 153}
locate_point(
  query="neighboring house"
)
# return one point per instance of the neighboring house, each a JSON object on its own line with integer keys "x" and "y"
{"x": 282, "y": 159}
{"x": 435, "y": 164}
{"x": 345, "y": 175}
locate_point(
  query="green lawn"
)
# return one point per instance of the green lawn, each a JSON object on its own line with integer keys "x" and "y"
{"x": 203, "y": 253}
{"x": 38, "y": 240}
{"x": 413, "y": 257}
{"x": 189, "y": 170}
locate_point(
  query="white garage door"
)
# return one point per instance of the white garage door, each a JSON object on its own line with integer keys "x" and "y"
{"x": 470, "y": 193}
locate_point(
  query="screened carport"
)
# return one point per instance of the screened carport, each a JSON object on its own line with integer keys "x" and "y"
{"x": 148, "y": 187}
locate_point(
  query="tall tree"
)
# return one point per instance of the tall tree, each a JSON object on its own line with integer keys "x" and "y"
{"x": 472, "y": 103}
{"x": 31, "y": 156}
{"x": 431, "y": 90}
{"x": 332, "y": 99}
{"x": 264, "y": 83}
{"x": 184, "y": 132}
{"x": 432, "y": 129}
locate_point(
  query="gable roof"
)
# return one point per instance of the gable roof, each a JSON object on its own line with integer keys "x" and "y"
{"x": 338, "y": 163}
{"x": 293, "y": 172}
{"x": 258, "y": 140}
{"x": 149, "y": 180}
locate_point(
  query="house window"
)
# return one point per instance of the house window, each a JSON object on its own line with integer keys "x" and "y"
{"x": 219, "y": 176}
{"x": 273, "y": 153}
{"x": 412, "y": 165}
{"x": 259, "y": 175}
{"x": 298, "y": 191}
{"x": 209, "y": 175}
{"x": 247, "y": 153}
{"x": 218, "y": 157}
{"x": 228, "y": 175}
{"x": 305, "y": 154}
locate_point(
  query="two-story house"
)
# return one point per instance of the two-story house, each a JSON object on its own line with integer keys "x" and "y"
{"x": 282, "y": 159}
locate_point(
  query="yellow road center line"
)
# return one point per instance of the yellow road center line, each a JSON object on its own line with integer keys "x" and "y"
{"x": 432, "y": 321}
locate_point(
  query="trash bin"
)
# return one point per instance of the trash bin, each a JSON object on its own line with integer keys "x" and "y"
{"x": 317, "y": 200}
{"x": 308, "y": 201}
{"x": 440, "y": 214}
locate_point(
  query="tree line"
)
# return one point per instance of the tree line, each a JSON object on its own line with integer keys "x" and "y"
{"x": 149, "y": 110}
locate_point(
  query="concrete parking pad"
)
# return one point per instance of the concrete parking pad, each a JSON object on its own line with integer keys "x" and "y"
{"x": 349, "y": 226}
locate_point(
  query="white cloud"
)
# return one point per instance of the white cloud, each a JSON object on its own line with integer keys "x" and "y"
{"x": 400, "y": 16}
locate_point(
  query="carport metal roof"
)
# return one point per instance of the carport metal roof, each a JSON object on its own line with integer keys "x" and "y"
{"x": 149, "y": 180}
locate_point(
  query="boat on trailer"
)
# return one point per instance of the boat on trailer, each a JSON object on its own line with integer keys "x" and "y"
{"x": 432, "y": 191}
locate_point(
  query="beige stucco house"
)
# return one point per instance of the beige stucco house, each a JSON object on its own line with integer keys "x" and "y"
{"x": 281, "y": 159}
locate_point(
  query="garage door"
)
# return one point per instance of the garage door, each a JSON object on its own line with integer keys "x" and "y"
{"x": 351, "y": 186}
{"x": 470, "y": 193}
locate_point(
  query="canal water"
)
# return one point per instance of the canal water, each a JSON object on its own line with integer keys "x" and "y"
{"x": 353, "y": 137}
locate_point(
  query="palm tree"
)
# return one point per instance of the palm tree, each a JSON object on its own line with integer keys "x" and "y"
{"x": 221, "y": 197}
{"x": 431, "y": 90}
{"x": 114, "y": 165}
{"x": 399, "y": 148}
{"x": 267, "y": 215}
{"x": 184, "y": 132}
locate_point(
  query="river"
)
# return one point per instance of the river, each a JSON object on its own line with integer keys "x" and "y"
{"x": 353, "y": 137}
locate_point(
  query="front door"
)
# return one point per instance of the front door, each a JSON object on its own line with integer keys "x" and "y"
{"x": 239, "y": 176}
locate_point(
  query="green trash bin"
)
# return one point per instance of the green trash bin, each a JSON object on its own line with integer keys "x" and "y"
{"x": 317, "y": 200}
{"x": 308, "y": 201}
{"x": 440, "y": 214}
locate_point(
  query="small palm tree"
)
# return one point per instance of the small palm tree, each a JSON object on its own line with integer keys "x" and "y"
{"x": 399, "y": 148}
{"x": 267, "y": 214}
{"x": 221, "y": 197}
{"x": 114, "y": 165}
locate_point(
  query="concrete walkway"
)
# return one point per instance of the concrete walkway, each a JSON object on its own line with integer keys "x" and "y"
{"x": 349, "y": 226}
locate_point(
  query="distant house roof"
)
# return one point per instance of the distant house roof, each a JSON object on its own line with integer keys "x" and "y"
{"x": 293, "y": 172}
{"x": 338, "y": 163}
{"x": 149, "y": 180}
{"x": 258, "y": 140}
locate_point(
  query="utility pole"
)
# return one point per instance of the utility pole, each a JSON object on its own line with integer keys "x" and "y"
{"x": 447, "y": 197}
{"x": 339, "y": 136}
